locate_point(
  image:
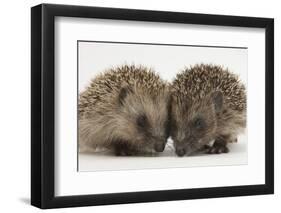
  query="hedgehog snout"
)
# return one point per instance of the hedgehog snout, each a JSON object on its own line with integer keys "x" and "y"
{"x": 185, "y": 147}
{"x": 159, "y": 146}
{"x": 180, "y": 151}
{"x": 185, "y": 150}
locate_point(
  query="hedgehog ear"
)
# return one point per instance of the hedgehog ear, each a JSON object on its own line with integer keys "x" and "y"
{"x": 124, "y": 91}
{"x": 217, "y": 98}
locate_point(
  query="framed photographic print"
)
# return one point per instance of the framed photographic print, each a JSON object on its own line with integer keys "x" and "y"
{"x": 139, "y": 106}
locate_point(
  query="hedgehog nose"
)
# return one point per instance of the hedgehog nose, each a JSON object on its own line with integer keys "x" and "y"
{"x": 180, "y": 152}
{"x": 159, "y": 147}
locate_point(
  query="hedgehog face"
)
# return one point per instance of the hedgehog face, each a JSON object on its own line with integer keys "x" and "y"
{"x": 194, "y": 123}
{"x": 145, "y": 118}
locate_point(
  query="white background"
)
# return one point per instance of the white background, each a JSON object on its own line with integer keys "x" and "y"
{"x": 166, "y": 60}
{"x": 15, "y": 107}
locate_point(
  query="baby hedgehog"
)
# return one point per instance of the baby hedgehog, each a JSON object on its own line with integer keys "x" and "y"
{"x": 125, "y": 110}
{"x": 208, "y": 103}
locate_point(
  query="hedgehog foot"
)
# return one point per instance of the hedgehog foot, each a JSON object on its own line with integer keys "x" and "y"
{"x": 124, "y": 150}
{"x": 218, "y": 147}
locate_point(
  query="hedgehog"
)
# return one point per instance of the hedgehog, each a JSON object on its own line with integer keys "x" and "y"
{"x": 126, "y": 110}
{"x": 208, "y": 109}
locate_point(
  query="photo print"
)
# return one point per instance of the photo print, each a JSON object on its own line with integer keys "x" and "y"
{"x": 143, "y": 106}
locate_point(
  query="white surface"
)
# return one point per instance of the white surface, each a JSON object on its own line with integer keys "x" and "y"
{"x": 15, "y": 126}
{"x": 106, "y": 161}
{"x": 69, "y": 182}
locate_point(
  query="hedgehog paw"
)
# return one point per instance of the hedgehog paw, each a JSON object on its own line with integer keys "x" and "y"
{"x": 217, "y": 148}
{"x": 123, "y": 150}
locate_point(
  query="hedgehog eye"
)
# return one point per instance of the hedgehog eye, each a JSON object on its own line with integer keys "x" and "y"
{"x": 199, "y": 123}
{"x": 142, "y": 121}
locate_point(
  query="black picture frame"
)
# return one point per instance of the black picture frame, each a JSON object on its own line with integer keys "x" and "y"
{"x": 43, "y": 102}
